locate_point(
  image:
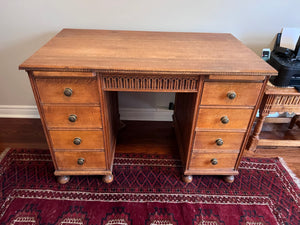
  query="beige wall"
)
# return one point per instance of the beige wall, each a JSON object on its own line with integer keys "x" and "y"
{"x": 27, "y": 25}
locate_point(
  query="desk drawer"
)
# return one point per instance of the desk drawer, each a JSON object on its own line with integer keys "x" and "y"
{"x": 72, "y": 116}
{"x": 67, "y": 90}
{"x": 206, "y": 161}
{"x": 218, "y": 141}
{"x": 83, "y": 139}
{"x": 230, "y": 93}
{"x": 212, "y": 118}
{"x": 80, "y": 160}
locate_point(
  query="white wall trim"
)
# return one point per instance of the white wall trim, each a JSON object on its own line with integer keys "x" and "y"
{"x": 19, "y": 111}
{"x": 150, "y": 114}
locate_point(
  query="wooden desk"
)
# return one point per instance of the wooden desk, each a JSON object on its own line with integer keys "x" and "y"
{"x": 276, "y": 99}
{"x": 75, "y": 78}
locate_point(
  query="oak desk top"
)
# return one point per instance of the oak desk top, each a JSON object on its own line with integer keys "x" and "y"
{"x": 147, "y": 52}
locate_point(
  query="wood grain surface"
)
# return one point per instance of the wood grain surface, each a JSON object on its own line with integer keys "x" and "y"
{"x": 147, "y": 52}
{"x": 57, "y": 117}
{"x": 273, "y": 90}
{"x": 211, "y": 118}
{"x": 84, "y": 90}
{"x": 206, "y": 141}
{"x": 67, "y": 160}
{"x": 215, "y": 93}
{"x": 63, "y": 139}
{"x": 203, "y": 161}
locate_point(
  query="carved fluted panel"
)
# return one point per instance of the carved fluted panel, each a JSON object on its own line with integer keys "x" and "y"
{"x": 286, "y": 103}
{"x": 150, "y": 83}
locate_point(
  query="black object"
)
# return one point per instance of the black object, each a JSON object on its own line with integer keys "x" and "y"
{"x": 287, "y": 63}
{"x": 266, "y": 54}
{"x": 171, "y": 106}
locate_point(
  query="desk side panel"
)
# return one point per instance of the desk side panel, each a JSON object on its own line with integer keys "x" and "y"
{"x": 185, "y": 117}
{"x": 42, "y": 114}
{"x": 111, "y": 121}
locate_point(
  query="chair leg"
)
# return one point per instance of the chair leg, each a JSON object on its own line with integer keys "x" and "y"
{"x": 294, "y": 121}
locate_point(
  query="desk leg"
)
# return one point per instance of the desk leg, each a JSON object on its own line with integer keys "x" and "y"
{"x": 187, "y": 178}
{"x": 253, "y": 141}
{"x": 264, "y": 111}
{"x": 108, "y": 178}
{"x": 63, "y": 179}
{"x": 228, "y": 179}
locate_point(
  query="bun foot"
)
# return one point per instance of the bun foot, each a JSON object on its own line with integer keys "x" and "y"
{"x": 63, "y": 179}
{"x": 108, "y": 178}
{"x": 228, "y": 179}
{"x": 187, "y": 178}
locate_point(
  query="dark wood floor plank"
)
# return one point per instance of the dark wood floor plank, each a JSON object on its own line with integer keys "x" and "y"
{"x": 147, "y": 137}
{"x": 22, "y": 133}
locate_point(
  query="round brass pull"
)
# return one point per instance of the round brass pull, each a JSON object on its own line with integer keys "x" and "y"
{"x": 214, "y": 162}
{"x": 77, "y": 141}
{"x": 68, "y": 92}
{"x": 219, "y": 142}
{"x": 231, "y": 95}
{"x": 225, "y": 119}
{"x": 72, "y": 118}
{"x": 80, "y": 161}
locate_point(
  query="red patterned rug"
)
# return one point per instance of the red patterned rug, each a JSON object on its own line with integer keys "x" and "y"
{"x": 146, "y": 190}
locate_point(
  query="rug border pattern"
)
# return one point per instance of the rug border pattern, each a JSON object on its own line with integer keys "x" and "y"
{"x": 275, "y": 166}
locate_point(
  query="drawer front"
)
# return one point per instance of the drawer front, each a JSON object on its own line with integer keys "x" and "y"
{"x": 80, "y": 160}
{"x": 72, "y": 116}
{"x": 230, "y": 93}
{"x": 56, "y": 90}
{"x": 205, "y": 161}
{"x": 212, "y": 118}
{"x": 65, "y": 139}
{"x": 217, "y": 141}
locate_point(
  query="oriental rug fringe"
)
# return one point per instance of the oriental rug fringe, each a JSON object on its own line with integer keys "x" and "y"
{"x": 147, "y": 189}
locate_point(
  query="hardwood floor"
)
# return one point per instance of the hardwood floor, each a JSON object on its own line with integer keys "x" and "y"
{"x": 146, "y": 137}
{"x": 152, "y": 137}
{"x": 280, "y": 131}
{"x": 22, "y": 133}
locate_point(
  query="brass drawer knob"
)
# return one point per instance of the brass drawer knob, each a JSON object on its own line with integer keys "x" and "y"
{"x": 231, "y": 95}
{"x": 72, "y": 118}
{"x": 219, "y": 142}
{"x": 77, "y": 141}
{"x": 68, "y": 92}
{"x": 214, "y": 162}
{"x": 225, "y": 120}
{"x": 80, "y": 161}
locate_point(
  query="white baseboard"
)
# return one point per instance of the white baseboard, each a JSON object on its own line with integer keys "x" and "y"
{"x": 150, "y": 114}
{"x": 146, "y": 114}
{"x": 19, "y": 111}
